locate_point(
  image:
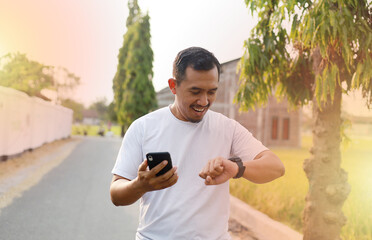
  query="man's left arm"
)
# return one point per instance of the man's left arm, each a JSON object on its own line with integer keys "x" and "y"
{"x": 265, "y": 167}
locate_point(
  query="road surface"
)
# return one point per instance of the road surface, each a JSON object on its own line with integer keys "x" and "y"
{"x": 72, "y": 200}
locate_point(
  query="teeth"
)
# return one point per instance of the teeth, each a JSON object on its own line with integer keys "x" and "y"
{"x": 198, "y": 109}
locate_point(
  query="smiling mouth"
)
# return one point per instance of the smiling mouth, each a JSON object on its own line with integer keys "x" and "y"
{"x": 199, "y": 108}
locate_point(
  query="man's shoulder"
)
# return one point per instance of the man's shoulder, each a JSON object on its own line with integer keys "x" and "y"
{"x": 148, "y": 120}
{"x": 157, "y": 114}
{"x": 219, "y": 117}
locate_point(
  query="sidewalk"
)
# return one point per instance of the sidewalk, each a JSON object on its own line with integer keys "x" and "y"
{"x": 20, "y": 173}
{"x": 255, "y": 225}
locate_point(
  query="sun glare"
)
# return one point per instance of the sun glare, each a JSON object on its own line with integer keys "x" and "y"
{"x": 2, "y": 53}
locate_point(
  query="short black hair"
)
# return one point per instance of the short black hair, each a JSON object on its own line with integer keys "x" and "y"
{"x": 195, "y": 57}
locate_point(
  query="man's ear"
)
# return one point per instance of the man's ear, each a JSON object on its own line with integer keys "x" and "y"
{"x": 172, "y": 85}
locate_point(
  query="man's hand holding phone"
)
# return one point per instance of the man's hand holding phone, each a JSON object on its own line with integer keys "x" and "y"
{"x": 149, "y": 181}
{"x": 161, "y": 175}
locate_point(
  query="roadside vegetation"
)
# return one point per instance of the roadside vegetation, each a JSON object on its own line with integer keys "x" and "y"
{"x": 284, "y": 198}
{"x": 93, "y": 130}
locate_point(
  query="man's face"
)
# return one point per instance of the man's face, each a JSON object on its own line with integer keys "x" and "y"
{"x": 195, "y": 94}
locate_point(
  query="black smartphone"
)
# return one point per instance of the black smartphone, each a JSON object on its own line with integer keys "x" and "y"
{"x": 154, "y": 158}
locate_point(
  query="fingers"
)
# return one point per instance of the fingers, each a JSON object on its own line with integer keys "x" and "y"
{"x": 150, "y": 182}
{"x": 164, "y": 181}
{"x": 216, "y": 167}
{"x": 158, "y": 168}
{"x": 168, "y": 179}
{"x": 205, "y": 171}
{"x": 143, "y": 166}
{"x": 210, "y": 181}
{"x": 155, "y": 170}
{"x": 213, "y": 168}
{"x": 166, "y": 176}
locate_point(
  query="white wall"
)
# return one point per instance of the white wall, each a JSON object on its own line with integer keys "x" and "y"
{"x": 29, "y": 122}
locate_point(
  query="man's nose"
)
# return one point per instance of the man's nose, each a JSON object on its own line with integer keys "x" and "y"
{"x": 203, "y": 100}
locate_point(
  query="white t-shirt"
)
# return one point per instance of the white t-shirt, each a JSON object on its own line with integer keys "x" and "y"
{"x": 189, "y": 209}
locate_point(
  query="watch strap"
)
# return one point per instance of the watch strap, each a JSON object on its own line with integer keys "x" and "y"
{"x": 241, "y": 167}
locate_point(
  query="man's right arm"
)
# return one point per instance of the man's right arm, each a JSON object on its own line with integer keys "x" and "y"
{"x": 125, "y": 192}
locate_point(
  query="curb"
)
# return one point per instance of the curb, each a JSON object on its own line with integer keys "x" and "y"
{"x": 263, "y": 227}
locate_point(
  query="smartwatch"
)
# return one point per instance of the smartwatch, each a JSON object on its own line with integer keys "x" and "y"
{"x": 241, "y": 167}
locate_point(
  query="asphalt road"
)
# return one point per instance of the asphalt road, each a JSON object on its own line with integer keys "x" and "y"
{"x": 72, "y": 201}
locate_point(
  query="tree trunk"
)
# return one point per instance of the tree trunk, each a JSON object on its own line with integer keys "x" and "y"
{"x": 122, "y": 131}
{"x": 328, "y": 187}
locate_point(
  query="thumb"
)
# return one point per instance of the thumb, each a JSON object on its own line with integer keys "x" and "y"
{"x": 209, "y": 181}
{"x": 143, "y": 166}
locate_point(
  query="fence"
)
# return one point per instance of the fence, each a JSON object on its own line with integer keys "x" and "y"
{"x": 29, "y": 122}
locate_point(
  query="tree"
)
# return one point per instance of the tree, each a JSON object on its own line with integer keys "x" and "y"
{"x": 31, "y": 77}
{"x": 134, "y": 92}
{"x": 111, "y": 112}
{"x": 74, "y": 106}
{"x": 325, "y": 52}
{"x": 25, "y": 75}
{"x": 100, "y": 105}
{"x": 64, "y": 82}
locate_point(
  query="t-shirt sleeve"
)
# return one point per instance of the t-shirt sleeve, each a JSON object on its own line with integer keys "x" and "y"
{"x": 244, "y": 144}
{"x": 130, "y": 154}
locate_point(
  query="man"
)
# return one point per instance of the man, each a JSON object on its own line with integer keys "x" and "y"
{"x": 190, "y": 201}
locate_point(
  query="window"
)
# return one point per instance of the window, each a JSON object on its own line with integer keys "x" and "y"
{"x": 285, "y": 135}
{"x": 274, "y": 128}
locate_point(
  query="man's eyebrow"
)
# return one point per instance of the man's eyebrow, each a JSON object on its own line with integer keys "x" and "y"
{"x": 196, "y": 88}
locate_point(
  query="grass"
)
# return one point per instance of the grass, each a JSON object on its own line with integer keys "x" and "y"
{"x": 284, "y": 198}
{"x": 92, "y": 130}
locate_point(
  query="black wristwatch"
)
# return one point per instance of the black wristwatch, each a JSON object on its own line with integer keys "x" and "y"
{"x": 241, "y": 167}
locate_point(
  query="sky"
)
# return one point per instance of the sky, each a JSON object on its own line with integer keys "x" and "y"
{"x": 85, "y": 36}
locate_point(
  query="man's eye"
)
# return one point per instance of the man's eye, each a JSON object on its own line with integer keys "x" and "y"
{"x": 212, "y": 92}
{"x": 195, "y": 93}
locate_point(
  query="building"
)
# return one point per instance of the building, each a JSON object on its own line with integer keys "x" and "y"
{"x": 273, "y": 125}
{"x": 90, "y": 117}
